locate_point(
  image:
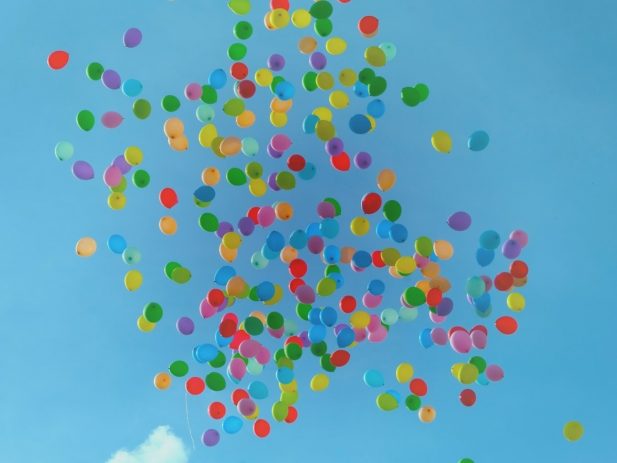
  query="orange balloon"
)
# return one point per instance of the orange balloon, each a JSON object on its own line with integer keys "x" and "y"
{"x": 431, "y": 270}
{"x": 168, "y": 225}
{"x": 210, "y": 176}
{"x": 173, "y": 127}
{"x": 280, "y": 106}
{"x": 427, "y": 414}
{"x": 179, "y": 143}
{"x": 288, "y": 253}
{"x": 347, "y": 254}
{"x": 307, "y": 45}
{"x": 162, "y": 381}
{"x": 230, "y": 146}
{"x": 284, "y": 211}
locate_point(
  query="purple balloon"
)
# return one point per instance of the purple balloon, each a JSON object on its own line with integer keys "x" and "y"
{"x": 132, "y": 37}
{"x": 82, "y": 170}
{"x": 272, "y": 182}
{"x": 334, "y": 146}
{"x": 274, "y": 153}
{"x": 111, "y": 79}
{"x": 326, "y": 210}
{"x": 185, "y": 326}
{"x": 276, "y": 62}
{"x": 305, "y": 294}
{"x": 318, "y": 61}
{"x": 224, "y": 227}
{"x": 246, "y": 226}
{"x": 511, "y": 249}
{"x": 120, "y": 163}
{"x": 445, "y": 306}
{"x": 211, "y": 437}
{"x": 362, "y": 160}
{"x": 266, "y": 216}
{"x": 246, "y": 407}
{"x": 315, "y": 244}
{"x": 520, "y": 236}
{"x": 306, "y": 342}
{"x": 459, "y": 221}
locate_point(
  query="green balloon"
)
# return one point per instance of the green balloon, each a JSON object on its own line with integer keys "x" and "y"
{"x": 479, "y": 363}
{"x": 236, "y": 177}
{"x": 278, "y": 355}
{"x": 142, "y": 109}
{"x": 424, "y": 246}
{"x": 253, "y": 326}
{"x": 234, "y": 107}
{"x": 64, "y": 150}
{"x": 275, "y": 81}
{"x": 337, "y": 206}
{"x": 153, "y": 312}
{"x": 181, "y": 275}
{"x": 377, "y": 86}
{"x": 208, "y": 94}
{"x": 253, "y": 294}
{"x": 321, "y": 9}
{"x": 120, "y": 187}
{"x": 423, "y": 91}
{"x": 94, "y": 71}
{"x": 326, "y": 364}
{"x": 170, "y": 267}
{"x": 293, "y": 351}
{"x": 215, "y": 381}
{"x": 413, "y": 402}
{"x": 392, "y": 210}
{"x": 366, "y": 76}
{"x": 240, "y": 7}
{"x": 236, "y": 51}
{"x": 279, "y": 411}
{"x": 319, "y": 348}
{"x": 302, "y": 310}
{"x": 386, "y": 402}
{"x": 243, "y": 30}
{"x": 201, "y": 204}
{"x": 323, "y": 27}
{"x": 209, "y": 222}
{"x": 331, "y": 269}
{"x": 179, "y": 368}
{"x": 414, "y": 296}
{"x": 254, "y": 170}
{"x": 170, "y": 103}
{"x": 411, "y": 96}
{"x": 205, "y": 113}
{"x": 275, "y": 320}
{"x": 85, "y": 120}
{"x": 326, "y": 287}
{"x": 289, "y": 397}
{"x": 465, "y": 460}
{"x": 309, "y": 81}
{"x": 141, "y": 178}
{"x": 286, "y": 180}
{"x": 218, "y": 361}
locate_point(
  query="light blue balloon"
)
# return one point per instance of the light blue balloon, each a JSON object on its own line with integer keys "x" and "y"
{"x": 314, "y": 316}
{"x": 484, "y": 314}
{"x": 284, "y": 375}
{"x": 265, "y": 291}
{"x": 313, "y": 229}
{"x": 329, "y": 228}
{"x": 204, "y": 113}
{"x": 331, "y": 254}
{"x": 383, "y": 229}
{"x": 131, "y": 256}
{"x": 484, "y": 257}
{"x": 290, "y": 327}
{"x": 217, "y": 79}
{"x": 361, "y": 90}
{"x": 309, "y": 123}
{"x": 317, "y": 333}
{"x": 478, "y": 140}
{"x": 258, "y": 390}
{"x": 222, "y": 341}
{"x": 253, "y": 367}
{"x": 328, "y": 316}
{"x": 426, "y": 340}
{"x": 285, "y": 90}
{"x": 389, "y": 50}
{"x": 490, "y": 239}
{"x": 475, "y": 287}
{"x": 249, "y": 147}
{"x": 258, "y": 261}
{"x": 308, "y": 172}
{"x": 205, "y": 353}
{"x": 376, "y": 108}
{"x": 224, "y": 274}
{"x": 389, "y": 317}
{"x": 232, "y": 424}
{"x": 64, "y": 150}
{"x": 298, "y": 239}
{"x": 482, "y": 380}
{"x": 373, "y": 378}
{"x": 116, "y": 244}
{"x": 132, "y": 87}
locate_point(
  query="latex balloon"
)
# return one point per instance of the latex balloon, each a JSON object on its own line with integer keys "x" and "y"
{"x": 442, "y": 142}
{"x": 573, "y": 431}
{"x": 85, "y": 247}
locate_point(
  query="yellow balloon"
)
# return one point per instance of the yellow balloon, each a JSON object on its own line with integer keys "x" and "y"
{"x": 390, "y": 255}
{"x": 232, "y": 240}
{"x": 347, "y": 77}
{"x": 441, "y": 141}
{"x": 336, "y": 46}
{"x": 404, "y": 372}
{"x": 246, "y": 119}
{"x": 375, "y": 56}
{"x": 515, "y": 302}
{"x": 279, "y": 18}
{"x": 323, "y": 113}
{"x": 263, "y": 77}
{"x": 168, "y": 225}
{"x": 360, "y": 226}
{"x": 405, "y": 265}
{"x": 290, "y": 387}
{"x": 267, "y": 22}
{"x": 386, "y": 179}
{"x": 207, "y": 134}
{"x": 280, "y": 106}
{"x": 307, "y": 45}
{"x": 573, "y": 431}
{"x": 324, "y": 80}
{"x": 301, "y": 18}
{"x": 85, "y": 247}
{"x": 116, "y": 201}
{"x": 372, "y": 120}
{"x": 360, "y": 319}
{"x": 228, "y": 255}
{"x": 278, "y": 120}
{"x": 427, "y": 414}
{"x": 133, "y": 280}
{"x": 339, "y": 99}
{"x": 289, "y": 398}
{"x": 284, "y": 211}
{"x": 230, "y": 146}
{"x": 320, "y": 382}
{"x": 210, "y": 176}
{"x": 258, "y": 187}
{"x": 466, "y": 373}
{"x": 179, "y": 143}
{"x": 144, "y": 325}
{"x": 133, "y": 155}
{"x": 173, "y": 127}
{"x": 237, "y": 287}
{"x": 325, "y": 130}
{"x": 162, "y": 381}
{"x": 443, "y": 249}
{"x": 288, "y": 253}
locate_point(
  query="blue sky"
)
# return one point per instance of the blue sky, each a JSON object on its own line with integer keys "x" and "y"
{"x": 539, "y": 77}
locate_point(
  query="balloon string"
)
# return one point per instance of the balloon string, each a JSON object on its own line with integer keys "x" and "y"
{"x": 188, "y": 422}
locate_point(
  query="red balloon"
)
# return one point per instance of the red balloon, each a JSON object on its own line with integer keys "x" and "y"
{"x": 348, "y": 304}
{"x": 227, "y": 328}
{"x": 239, "y": 337}
{"x": 519, "y": 269}
{"x": 377, "y": 260}
{"x": 467, "y": 397}
{"x": 368, "y": 25}
{"x": 168, "y": 198}
{"x": 238, "y": 394}
{"x": 57, "y": 59}
{"x": 297, "y": 268}
{"x": 246, "y": 89}
{"x": 261, "y": 428}
{"x": 371, "y": 203}
{"x": 339, "y": 358}
{"x": 239, "y": 71}
{"x": 504, "y": 281}
{"x": 454, "y": 329}
{"x": 284, "y": 4}
{"x": 295, "y": 284}
{"x": 292, "y": 415}
{"x": 195, "y": 385}
{"x": 215, "y": 297}
{"x": 479, "y": 328}
{"x": 296, "y": 162}
{"x": 341, "y": 161}
{"x": 230, "y": 316}
{"x": 506, "y": 325}
{"x": 216, "y": 410}
{"x": 294, "y": 340}
{"x": 253, "y": 213}
{"x": 418, "y": 387}
{"x": 433, "y": 297}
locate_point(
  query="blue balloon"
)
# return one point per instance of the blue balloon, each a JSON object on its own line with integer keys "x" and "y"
{"x": 217, "y": 79}
{"x": 204, "y": 193}
{"x": 360, "y": 124}
{"x": 478, "y": 140}
{"x": 398, "y": 233}
{"x": 373, "y": 378}
{"x": 338, "y": 279}
{"x": 328, "y": 316}
{"x": 298, "y": 239}
{"x": 313, "y": 229}
{"x": 265, "y": 291}
{"x": 205, "y": 353}
{"x": 275, "y": 241}
{"x": 224, "y": 274}
{"x": 132, "y": 87}
{"x": 317, "y": 333}
{"x": 116, "y": 244}
{"x": 309, "y": 123}
{"x": 482, "y": 303}
{"x": 268, "y": 253}
{"x": 308, "y": 172}
{"x": 376, "y": 108}
{"x": 376, "y": 287}
{"x": 284, "y": 375}
{"x": 482, "y": 380}
{"x": 222, "y": 341}
{"x": 362, "y": 259}
{"x": 360, "y": 90}
{"x": 425, "y": 338}
{"x": 490, "y": 239}
{"x": 314, "y": 316}
{"x": 345, "y": 337}
{"x": 285, "y": 90}
{"x": 258, "y": 390}
{"x": 329, "y": 228}
{"x": 484, "y": 257}
{"x": 331, "y": 254}
{"x": 383, "y": 229}
{"x": 232, "y": 424}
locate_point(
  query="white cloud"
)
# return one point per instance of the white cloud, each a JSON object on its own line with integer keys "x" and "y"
{"x": 161, "y": 446}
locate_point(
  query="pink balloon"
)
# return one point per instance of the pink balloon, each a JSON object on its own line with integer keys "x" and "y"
{"x": 478, "y": 339}
{"x": 249, "y": 348}
{"x": 305, "y": 294}
{"x": 361, "y": 334}
{"x": 278, "y": 334}
{"x": 436, "y": 318}
{"x": 520, "y": 237}
{"x": 439, "y": 336}
{"x": 421, "y": 261}
{"x": 460, "y": 342}
{"x": 371, "y": 301}
{"x": 488, "y": 283}
{"x": 206, "y": 309}
{"x": 237, "y": 368}
{"x": 246, "y": 407}
{"x": 266, "y": 216}
{"x": 112, "y": 176}
{"x": 374, "y": 324}
{"x": 494, "y": 373}
{"x": 111, "y": 119}
{"x": 263, "y": 356}
{"x": 193, "y": 91}
{"x": 378, "y": 335}
{"x": 280, "y": 142}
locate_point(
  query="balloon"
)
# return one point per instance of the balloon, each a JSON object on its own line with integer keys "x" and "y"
{"x": 441, "y": 141}
{"x": 459, "y": 221}
{"x": 132, "y": 37}
{"x": 85, "y": 120}
{"x": 373, "y": 378}
{"x": 82, "y": 170}
{"x": 162, "y": 381}
{"x": 232, "y": 424}
{"x": 319, "y": 382}
{"x": 64, "y": 150}
{"x": 467, "y": 397}
{"x": 131, "y": 256}
{"x": 57, "y": 59}
{"x": 478, "y": 140}
{"x": 404, "y": 372}
{"x": 142, "y": 108}
{"x": 427, "y": 414}
{"x": 132, "y": 87}
{"x": 506, "y": 325}
{"x": 168, "y": 225}
{"x": 573, "y": 431}
{"x": 85, "y": 247}
{"x": 133, "y": 280}
{"x": 210, "y": 437}
{"x": 261, "y": 428}
{"x": 511, "y": 249}
{"x": 494, "y": 373}
{"x": 185, "y": 326}
{"x": 386, "y": 402}
{"x": 515, "y": 302}
{"x": 368, "y": 26}
{"x": 111, "y": 79}
{"x": 168, "y": 197}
